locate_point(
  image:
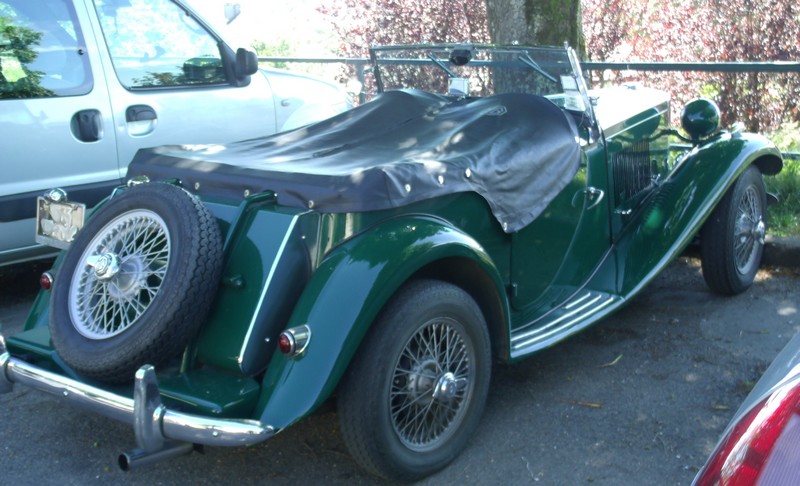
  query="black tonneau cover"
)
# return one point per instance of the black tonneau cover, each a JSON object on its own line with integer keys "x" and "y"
{"x": 516, "y": 150}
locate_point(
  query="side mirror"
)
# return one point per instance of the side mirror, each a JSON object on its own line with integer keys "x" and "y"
{"x": 246, "y": 64}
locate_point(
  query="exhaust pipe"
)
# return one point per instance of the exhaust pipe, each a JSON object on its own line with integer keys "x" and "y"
{"x": 138, "y": 457}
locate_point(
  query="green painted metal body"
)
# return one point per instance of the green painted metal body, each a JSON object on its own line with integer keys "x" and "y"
{"x": 668, "y": 220}
{"x": 344, "y": 296}
{"x": 288, "y": 267}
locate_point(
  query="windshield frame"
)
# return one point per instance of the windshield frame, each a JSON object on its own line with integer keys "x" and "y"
{"x": 572, "y": 96}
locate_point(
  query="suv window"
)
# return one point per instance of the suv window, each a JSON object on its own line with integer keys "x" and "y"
{"x": 42, "y": 52}
{"x": 155, "y": 43}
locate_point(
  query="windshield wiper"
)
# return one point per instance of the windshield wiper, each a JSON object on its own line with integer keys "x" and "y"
{"x": 526, "y": 59}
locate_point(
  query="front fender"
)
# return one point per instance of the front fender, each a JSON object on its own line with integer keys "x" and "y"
{"x": 684, "y": 201}
{"x": 343, "y": 298}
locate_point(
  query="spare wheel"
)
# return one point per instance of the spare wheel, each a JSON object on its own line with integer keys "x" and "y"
{"x": 137, "y": 282}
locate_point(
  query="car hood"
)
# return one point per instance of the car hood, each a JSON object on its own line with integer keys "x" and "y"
{"x": 516, "y": 150}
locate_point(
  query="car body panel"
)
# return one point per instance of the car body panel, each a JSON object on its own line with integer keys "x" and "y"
{"x": 39, "y": 166}
{"x": 699, "y": 180}
{"x": 343, "y": 298}
{"x": 263, "y": 278}
{"x": 576, "y": 225}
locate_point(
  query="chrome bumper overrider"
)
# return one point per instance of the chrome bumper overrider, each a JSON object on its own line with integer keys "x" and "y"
{"x": 155, "y": 426}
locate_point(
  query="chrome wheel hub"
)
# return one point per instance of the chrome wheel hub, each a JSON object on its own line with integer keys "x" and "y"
{"x": 447, "y": 386}
{"x": 431, "y": 385}
{"x": 760, "y": 232}
{"x": 422, "y": 379}
{"x": 105, "y": 266}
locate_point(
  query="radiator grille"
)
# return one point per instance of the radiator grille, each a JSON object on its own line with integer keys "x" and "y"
{"x": 633, "y": 170}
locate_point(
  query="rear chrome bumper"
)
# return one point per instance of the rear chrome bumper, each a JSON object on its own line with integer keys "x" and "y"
{"x": 156, "y": 427}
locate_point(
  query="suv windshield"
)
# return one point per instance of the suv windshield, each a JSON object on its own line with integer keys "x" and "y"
{"x": 481, "y": 70}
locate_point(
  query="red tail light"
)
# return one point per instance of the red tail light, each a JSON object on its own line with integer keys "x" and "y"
{"x": 755, "y": 450}
{"x": 294, "y": 341}
{"x": 46, "y": 281}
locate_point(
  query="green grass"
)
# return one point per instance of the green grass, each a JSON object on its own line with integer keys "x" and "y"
{"x": 784, "y": 217}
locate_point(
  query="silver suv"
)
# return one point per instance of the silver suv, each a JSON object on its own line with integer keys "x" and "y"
{"x": 84, "y": 84}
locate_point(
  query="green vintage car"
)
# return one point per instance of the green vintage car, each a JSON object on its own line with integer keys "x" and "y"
{"x": 383, "y": 258}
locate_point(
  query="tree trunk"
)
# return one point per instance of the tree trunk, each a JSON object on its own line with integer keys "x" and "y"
{"x": 536, "y": 22}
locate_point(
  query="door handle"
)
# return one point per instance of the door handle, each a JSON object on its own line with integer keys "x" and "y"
{"x": 593, "y": 194}
{"x": 136, "y": 113}
{"x": 141, "y": 120}
{"x": 87, "y": 125}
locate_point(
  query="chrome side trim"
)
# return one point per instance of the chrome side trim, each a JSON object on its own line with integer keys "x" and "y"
{"x": 577, "y": 301}
{"x": 153, "y": 423}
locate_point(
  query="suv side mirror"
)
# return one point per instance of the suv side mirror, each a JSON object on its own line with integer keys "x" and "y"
{"x": 246, "y": 64}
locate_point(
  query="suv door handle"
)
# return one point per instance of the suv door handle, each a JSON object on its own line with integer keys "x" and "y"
{"x": 141, "y": 120}
{"x": 136, "y": 113}
{"x": 87, "y": 125}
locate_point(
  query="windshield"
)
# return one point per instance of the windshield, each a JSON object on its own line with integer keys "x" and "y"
{"x": 480, "y": 70}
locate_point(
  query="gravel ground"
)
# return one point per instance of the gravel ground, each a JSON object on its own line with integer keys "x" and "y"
{"x": 640, "y": 398}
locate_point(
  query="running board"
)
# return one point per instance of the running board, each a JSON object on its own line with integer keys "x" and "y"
{"x": 584, "y": 309}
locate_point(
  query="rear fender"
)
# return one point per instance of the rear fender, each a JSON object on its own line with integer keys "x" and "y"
{"x": 343, "y": 298}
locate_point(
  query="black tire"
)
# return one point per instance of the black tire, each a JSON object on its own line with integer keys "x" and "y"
{"x": 732, "y": 240}
{"x": 396, "y": 371}
{"x": 106, "y": 322}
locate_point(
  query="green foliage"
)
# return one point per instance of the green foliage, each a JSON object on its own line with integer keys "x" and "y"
{"x": 705, "y": 31}
{"x": 709, "y": 90}
{"x": 281, "y": 49}
{"x": 284, "y": 48}
{"x": 16, "y": 51}
{"x": 787, "y": 137}
{"x": 784, "y": 217}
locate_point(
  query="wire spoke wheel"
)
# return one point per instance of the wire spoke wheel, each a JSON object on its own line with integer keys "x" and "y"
{"x": 415, "y": 391}
{"x": 121, "y": 273}
{"x": 732, "y": 239}
{"x": 137, "y": 282}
